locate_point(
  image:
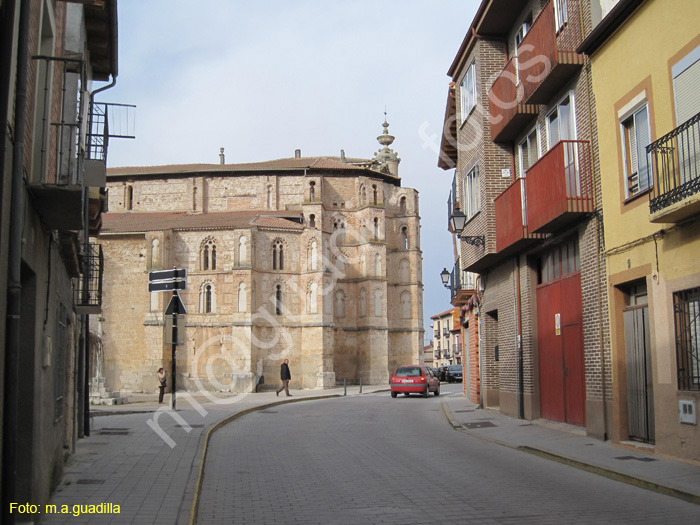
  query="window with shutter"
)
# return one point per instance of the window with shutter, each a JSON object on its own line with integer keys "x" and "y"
{"x": 635, "y": 139}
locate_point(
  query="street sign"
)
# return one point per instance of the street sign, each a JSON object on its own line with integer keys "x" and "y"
{"x": 167, "y": 286}
{"x": 175, "y": 306}
{"x": 180, "y": 330}
{"x": 163, "y": 275}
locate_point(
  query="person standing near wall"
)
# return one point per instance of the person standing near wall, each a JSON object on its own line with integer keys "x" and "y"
{"x": 162, "y": 383}
{"x": 285, "y": 375}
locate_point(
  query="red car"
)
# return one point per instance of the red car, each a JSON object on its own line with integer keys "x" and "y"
{"x": 414, "y": 379}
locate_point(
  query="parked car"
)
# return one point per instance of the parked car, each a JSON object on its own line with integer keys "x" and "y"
{"x": 454, "y": 373}
{"x": 414, "y": 379}
{"x": 442, "y": 373}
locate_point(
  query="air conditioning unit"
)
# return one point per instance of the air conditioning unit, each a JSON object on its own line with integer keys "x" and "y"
{"x": 686, "y": 410}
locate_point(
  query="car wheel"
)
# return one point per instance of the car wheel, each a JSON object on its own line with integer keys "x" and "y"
{"x": 437, "y": 391}
{"x": 406, "y": 394}
{"x": 427, "y": 391}
{"x": 393, "y": 394}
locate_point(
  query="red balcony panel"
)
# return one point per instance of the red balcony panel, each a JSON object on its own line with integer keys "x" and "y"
{"x": 508, "y": 115}
{"x": 560, "y": 187}
{"x": 547, "y": 57}
{"x": 511, "y": 221}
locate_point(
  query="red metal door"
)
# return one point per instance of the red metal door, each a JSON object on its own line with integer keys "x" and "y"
{"x": 550, "y": 353}
{"x": 560, "y": 342}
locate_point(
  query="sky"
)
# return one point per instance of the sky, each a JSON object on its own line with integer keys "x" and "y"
{"x": 263, "y": 78}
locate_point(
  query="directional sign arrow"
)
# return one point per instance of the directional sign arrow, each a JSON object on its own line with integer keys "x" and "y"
{"x": 166, "y": 286}
{"x": 175, "y": 306}
{"x": 163, "y": 275}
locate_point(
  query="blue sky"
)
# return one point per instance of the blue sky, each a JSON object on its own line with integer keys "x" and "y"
{"x": 263, "y": 78}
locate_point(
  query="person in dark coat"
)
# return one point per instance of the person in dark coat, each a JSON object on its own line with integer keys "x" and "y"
{"x": 162, "y": 383}
{"x": 285, "y": 375}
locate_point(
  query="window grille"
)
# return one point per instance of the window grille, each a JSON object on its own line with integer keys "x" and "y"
{"x": 89, "y": 289}
{"x": 686, "y": 309}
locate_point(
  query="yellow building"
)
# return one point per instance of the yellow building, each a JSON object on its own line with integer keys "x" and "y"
{"x": 645, "y": 60}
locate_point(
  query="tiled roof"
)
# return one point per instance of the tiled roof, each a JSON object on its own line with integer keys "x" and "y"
{"x": 321, "y": 163}
{"x": 142, "y": 222}
{"x": 444, "y": 314}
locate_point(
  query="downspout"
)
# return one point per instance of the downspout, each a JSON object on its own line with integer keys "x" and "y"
{"x": 14, "y": 271}
{"x": 85, "y": 358}
{"x": 518, "y": 313}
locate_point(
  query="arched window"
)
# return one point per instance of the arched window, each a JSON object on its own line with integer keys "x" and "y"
{"x": 404, "y": 238}
{"x": 207, "y": 299}
{"x": 313, "y": 256}
{"x": 404, "y": 271}
{"x": 402, "y": 205}
{"x": 194, "y": 198}
{"x": 312, "y": 191}
{"x": 363, "y": 195}
{"x": 376, "y": 228}
{"x": 208, "y": 254}
{"x": 269, "y": 197}
{"x": 129, "y": 197}
{"x": 406, "y": 305}
{"x": 377, "y": 302}
{"x": 340, "y": 303}
{"x": 363, "y": 264}
{"x": 242, "y": 298}
{"x": 377, "y": 265}
{"x": 363, "y": 303}
{"x": 155, "y": 253}
{"x": 312, "y": 299}
{"x": 340, "y": 263}
{"x": 278, "y": 299}
{"x": 277, "y": 255}
{"x": 242, "y": 250}
{"x": 339, "y": 226}
{"x": 374, "y": 194}
{"x": 312, "y": 221}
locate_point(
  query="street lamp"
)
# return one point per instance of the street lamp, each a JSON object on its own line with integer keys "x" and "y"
{"x": 445, "y": 276}
{"x": 457, "y": 221}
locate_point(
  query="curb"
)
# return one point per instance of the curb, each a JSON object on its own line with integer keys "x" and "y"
{"x": 617, "y": 476}
{"x": 601, "y": 471}
{"x": 225, "y": 421}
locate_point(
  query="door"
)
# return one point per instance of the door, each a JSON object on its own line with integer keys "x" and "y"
{"x": 640, "y": 390}
{"x": 560, "y": 336}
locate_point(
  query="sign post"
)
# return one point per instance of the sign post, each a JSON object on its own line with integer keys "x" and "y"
{"x": 163, "y": 281}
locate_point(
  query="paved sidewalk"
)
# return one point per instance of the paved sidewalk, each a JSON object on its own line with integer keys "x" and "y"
{"x": 147, "y": 459}
{"x": 570, "y": 445}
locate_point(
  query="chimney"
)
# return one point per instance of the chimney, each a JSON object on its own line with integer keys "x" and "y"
{"x": 342, "y": 156}
{"x": 297, "y": 153}
{"x": 221, "y": 156}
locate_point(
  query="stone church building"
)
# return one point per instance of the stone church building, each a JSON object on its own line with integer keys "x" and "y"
{"x": 312, "y": 259}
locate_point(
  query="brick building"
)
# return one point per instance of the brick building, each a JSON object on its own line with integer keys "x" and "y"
{"x": 53, "y": 55}
{"x": 520, "y": 134}
{"x": 314, "y": 259}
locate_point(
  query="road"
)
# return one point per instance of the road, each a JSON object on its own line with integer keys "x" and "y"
{"x": 372, "y": 459}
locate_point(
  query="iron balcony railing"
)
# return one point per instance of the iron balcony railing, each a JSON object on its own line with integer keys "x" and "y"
{"x": 89, "y": 290}
{"x": 461, "y": 280}
{"x": 452, "y": 200}
{"x": 675, "y": 159}
{"x": 108, "y": 120}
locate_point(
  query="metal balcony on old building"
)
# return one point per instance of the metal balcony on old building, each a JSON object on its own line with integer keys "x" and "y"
{"x": 675, "y": 161}
{"x": 512, "y": 232}
{"x": 462, "y": 285}
{"x": 88, "y": 293}
{"x": 547, "y": 55}
{"x": 560, "y": 187}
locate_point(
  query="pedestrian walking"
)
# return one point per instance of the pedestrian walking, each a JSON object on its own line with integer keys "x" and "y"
{"x": 162, "y": 383}
{"x": 285, "y": 375}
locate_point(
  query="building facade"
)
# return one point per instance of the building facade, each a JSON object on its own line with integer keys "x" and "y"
{"x": 52, "y": 179}
{"x": 520, "y": 134}
{"x": 648, "y": 112}
{"x": 312, "y": 259}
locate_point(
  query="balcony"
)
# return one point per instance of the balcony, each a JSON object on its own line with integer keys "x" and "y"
{"x": 549, "y": 52}
{"x": 462, "y": 286}
{"x": 675, "y": 160}
{"x": 512, "y": 232}
{"x": 560, "y": 187}
{"x": 88, "y": 293}
{"x": 507, "y": 114}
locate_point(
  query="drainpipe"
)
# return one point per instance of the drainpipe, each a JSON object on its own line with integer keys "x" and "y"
{"x": 519, "y": 340}
{"x": 85, "y": 346}
{"x": 14, "y": 271}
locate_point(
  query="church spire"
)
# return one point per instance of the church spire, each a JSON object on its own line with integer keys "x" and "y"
{"x": 386, "y": 158}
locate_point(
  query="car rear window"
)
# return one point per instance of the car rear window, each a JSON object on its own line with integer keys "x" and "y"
{"x": 408, "y": 371}
{"x": 455, "y": 368}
